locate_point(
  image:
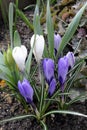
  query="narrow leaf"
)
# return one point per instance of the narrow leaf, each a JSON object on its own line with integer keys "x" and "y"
{"x": 36, "y": 22}
{"x": 28, "y": 62}
{"x": 65, "y": 112}
{"x": 17, "y": 40}
{"x": 16, "y": 118}
{"x": 11, "y": 23}
{"x": 25, "y": 19}
{"x": 50, "y": 31}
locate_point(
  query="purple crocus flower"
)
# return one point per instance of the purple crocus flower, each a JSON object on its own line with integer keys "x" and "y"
{"x": 57, "y": 41}
{"x": 26, "y": 90}
{"x": 52, "y": 87}
{"x": 71, "y": 59}
{"x": 62, "y": 71}
{"x": 48, "y": 69}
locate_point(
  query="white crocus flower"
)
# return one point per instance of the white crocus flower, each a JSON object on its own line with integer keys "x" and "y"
{"x": 19, "y": 54}
{"x": 37, "y": 42}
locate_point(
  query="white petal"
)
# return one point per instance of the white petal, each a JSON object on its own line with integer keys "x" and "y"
{"x": 38, "y": 47}
{"x": 24, "y": 51}
{"x": 19, "y": 54}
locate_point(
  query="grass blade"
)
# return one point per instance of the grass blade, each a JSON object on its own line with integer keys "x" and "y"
{"x": 65, "y": 112}
{"x": 11, "y": 23}
{"x": 50, "y": 31}
{"x": 17, "y": 40}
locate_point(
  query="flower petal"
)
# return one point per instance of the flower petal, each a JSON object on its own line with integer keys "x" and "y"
{"x": 38, "y": 46}
{"x": 57, "y": 41}
{"x": 48, "y": 68}
{"x": 26, "y": 90}
{"x": 62, "y": 69}
{"x": 19, "y": 54}
{"x": 52, "y": 86}
{"x": 71, "y": 59}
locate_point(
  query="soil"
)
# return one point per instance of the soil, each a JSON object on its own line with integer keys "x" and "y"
{"x": 10, "y": 107}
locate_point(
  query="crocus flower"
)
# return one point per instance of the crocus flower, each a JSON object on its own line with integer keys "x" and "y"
{"x": 19, "y": 54}
{"x": 57, "y": 41}
{"x": 62, "y": 71}
{"x": 48, "y": 69}
{"x": 71, "y": 59}
{"x": 26, "y": 90}
{"x": 37, "y": 42}
{"x": 52, "y": 87}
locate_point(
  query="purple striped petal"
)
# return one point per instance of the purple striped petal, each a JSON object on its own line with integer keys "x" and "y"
{"x": 52, "y": 87}
{"x": 57, "y": 41}
{"x": 26, "y": 90}
{"x": 71, "y": 59}
{"x": 62, "y": 69}
{"x": 48, "y": 69}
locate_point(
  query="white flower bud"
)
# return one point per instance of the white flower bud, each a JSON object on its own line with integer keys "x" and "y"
{"x": 19, "y": 54}
{"x": 37, "y": 42}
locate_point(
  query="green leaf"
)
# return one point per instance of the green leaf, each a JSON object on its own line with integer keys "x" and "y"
{"x": 25, "y": 19}
{"x": 64, "y": 112}
{"x": 44, "y": 125}
{"x": 50, "y": 31}
{"x": 11, "y": 22}
{"x": 17, "y": 40}
{"x": 1, "y": 59}
{"x": 16, "y": 118}
{"x": 71, "y": 29}
{"x": 28, "y": 62}
{"x": 36, "y": 22}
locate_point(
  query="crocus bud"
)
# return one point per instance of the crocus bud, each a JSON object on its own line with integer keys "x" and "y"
{"x": 71, "y": 59}
{"x": 62, "y": 69}
{"x": 5, "y": 58}
{"x": 57, "y": 41}
{"x": 26, "y": 90}
{"x": 37, "y": 42}
{"x": 19, "y": 54}
{"x": 48, "y": 69}
{"x": 10, "y": 59}
{"x": 52, "y": 87}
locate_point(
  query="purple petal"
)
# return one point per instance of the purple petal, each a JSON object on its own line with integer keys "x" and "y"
{"x": 57, "y": 41}
{"x": 26, "y": 90}
{"x": 71, "y": 59}
{"x": 21, "y": 88}
{"x": 62, "y": 69}
{"x": 48, "y": 68}
{"x": 52, "y": 87}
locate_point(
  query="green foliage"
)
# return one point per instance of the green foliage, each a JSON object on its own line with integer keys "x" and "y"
{"x": 11, "y": 23}
{"x": 50, "y": 31}
{"x": 17, "y": 40}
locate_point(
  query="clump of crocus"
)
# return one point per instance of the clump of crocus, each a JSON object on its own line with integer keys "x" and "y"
{"x": 48, "y": 69}
{"x": 19, "y": 54}
{"x": 57, "y": 41}
{"x": 37, "y": 42}
{"x": 64, "y": 65}
{"x": 26, "y": 90}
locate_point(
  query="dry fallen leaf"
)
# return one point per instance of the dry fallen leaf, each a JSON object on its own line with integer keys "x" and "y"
{"x": 65, "y": 2}
{"x": 61, "y": 28}
{"x": 2, "y": 83}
